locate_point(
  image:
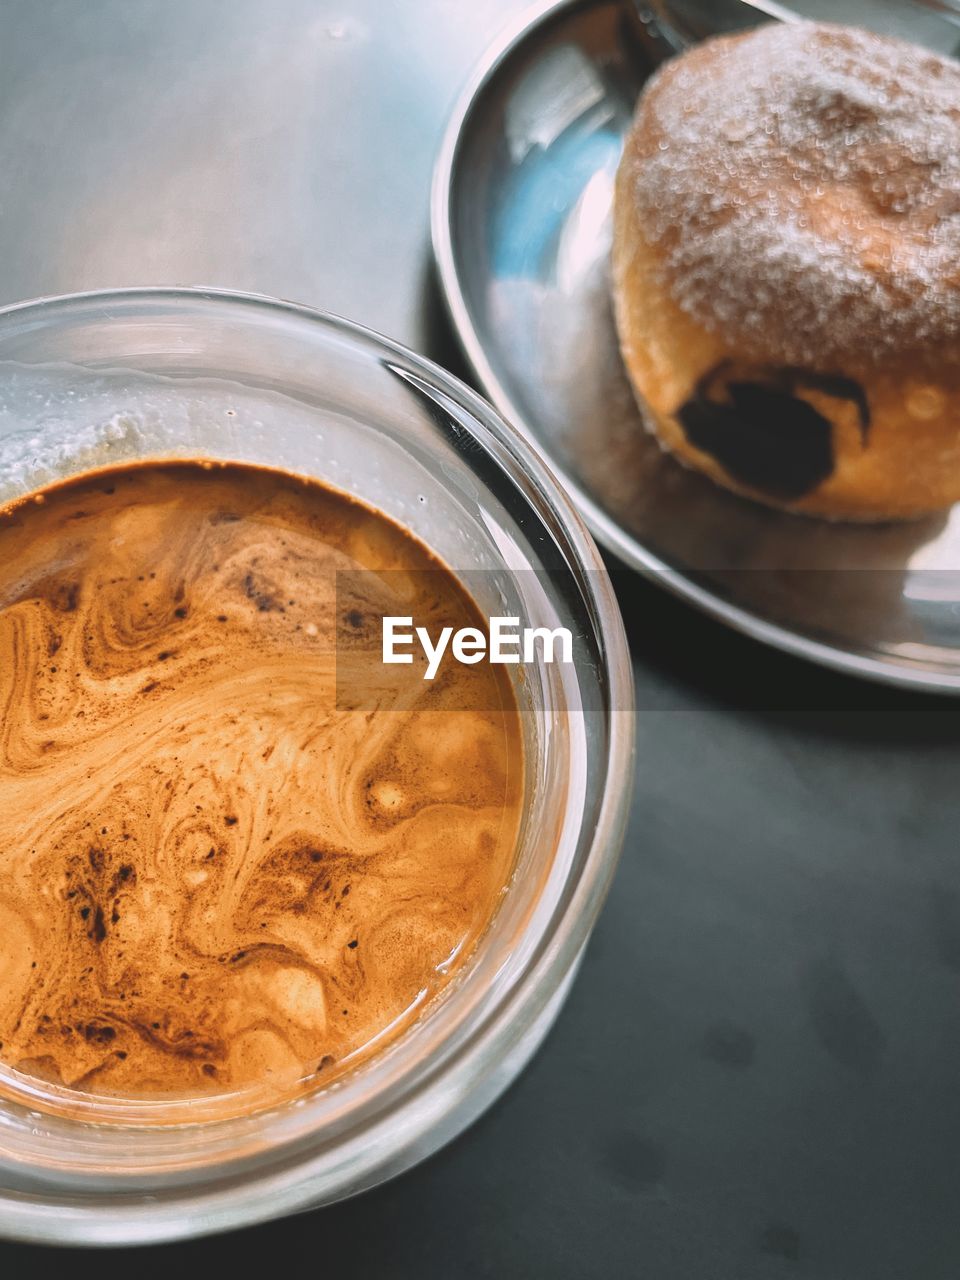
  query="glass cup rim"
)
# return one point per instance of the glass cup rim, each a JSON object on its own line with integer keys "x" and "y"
{"x": 283, "y": 1189}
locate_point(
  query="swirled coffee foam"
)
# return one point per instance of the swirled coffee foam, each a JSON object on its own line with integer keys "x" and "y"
{"x": 213, "y": 876}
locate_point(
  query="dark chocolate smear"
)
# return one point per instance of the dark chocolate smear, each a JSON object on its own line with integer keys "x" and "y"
{"x": 753, "y": 422}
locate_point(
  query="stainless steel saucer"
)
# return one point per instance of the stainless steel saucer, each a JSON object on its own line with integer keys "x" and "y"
{"x": 521, "y": 229}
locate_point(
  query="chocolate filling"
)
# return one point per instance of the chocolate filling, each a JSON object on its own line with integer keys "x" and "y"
{"x": 754, "y": 423}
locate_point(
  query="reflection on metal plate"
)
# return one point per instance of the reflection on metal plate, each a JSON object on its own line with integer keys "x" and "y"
{"x": 522, "y": 235}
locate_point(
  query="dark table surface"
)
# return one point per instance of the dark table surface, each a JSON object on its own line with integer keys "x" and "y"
{"x": 758, "y": 1071}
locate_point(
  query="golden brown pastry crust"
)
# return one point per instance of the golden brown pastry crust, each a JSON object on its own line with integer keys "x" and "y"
{"x": 787, "y": 268}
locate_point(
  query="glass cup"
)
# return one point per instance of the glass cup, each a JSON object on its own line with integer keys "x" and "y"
{"x": 105, "y": 378}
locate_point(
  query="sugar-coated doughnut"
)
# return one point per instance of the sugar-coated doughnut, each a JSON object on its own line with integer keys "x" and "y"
{"x": 786, "y": 268}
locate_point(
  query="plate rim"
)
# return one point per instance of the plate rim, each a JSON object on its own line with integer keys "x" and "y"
{"x": 605, "y": 529}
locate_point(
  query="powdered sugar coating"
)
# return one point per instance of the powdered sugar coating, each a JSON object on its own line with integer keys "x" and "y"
{"x": 802, "y": 186}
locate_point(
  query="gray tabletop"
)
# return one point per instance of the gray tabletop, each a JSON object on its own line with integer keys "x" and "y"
{"x": 758, "y": 1071}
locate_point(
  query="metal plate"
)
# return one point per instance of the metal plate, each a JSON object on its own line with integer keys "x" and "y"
{"x": 522, "y": 230}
